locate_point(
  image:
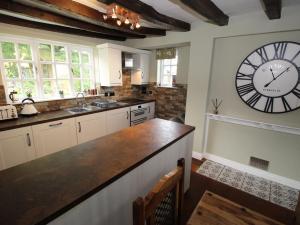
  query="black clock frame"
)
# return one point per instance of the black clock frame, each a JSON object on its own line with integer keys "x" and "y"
{"x": 293, "y": 42}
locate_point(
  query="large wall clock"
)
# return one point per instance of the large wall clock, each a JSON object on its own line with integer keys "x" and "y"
{"x": 268, "y": 79}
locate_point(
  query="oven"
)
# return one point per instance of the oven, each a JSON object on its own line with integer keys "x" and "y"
{"x": 138, "y": 114}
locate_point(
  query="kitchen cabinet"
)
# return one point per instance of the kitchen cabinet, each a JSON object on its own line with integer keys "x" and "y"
{"x": 117, "y": 119}
{"x": 151, "y": 111}
{"x": 90, "y": 127}
{"x": 110, "y": 66}
{"x": 54, "y": 136}
{"x": 141, "y": 75}
{"x": 16, "y": 147}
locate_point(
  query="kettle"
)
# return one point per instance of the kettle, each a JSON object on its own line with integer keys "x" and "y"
{"x": 28, "y": 109}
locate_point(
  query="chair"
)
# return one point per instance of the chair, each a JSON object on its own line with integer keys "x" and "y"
{"x": 163, "y": 204}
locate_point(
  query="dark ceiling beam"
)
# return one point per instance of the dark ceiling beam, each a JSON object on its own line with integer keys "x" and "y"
{"x": 56, "y": 28}
{"x": 75, "y": 10}
{"x": 55, "y": 18}
{"x": 148, "y": 13}
{"x": 272, "y": 8}
{"x": 209, "y": 10}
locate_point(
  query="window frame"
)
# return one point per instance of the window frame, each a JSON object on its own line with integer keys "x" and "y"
{"x": 160, "y": 71}
{"x": 37, "y": 65}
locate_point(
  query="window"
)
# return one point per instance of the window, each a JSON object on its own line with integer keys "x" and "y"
{"x": 167, "y": 71}
{"x": 42, "y": 68}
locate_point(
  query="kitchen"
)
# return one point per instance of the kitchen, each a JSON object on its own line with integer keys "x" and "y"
{"x": 94, "y": 79}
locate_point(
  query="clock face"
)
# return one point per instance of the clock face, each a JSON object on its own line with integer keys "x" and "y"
{"x": 268, "y": 79}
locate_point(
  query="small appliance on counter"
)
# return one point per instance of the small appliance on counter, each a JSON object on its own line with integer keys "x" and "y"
{"x": 8, "y": 112}
{"x": 28, "y": 108}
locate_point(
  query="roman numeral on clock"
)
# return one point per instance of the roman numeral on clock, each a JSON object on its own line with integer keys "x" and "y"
{"x": 280, "y": 49}
{"x": 254, "y": 99}
{"x": 245, "y": 89}
{"x": 263, "y": 55}
{"x": 296, "y": 92}
{"x": 295, "y": 56}
{"x": 286, "y": 105}
{"x": 247, "y": 62}
{"x": 269, "y": 105}
{"x": 242, "y": 76}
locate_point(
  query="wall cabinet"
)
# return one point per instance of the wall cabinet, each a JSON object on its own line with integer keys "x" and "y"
{"x": 54, "y": 136}
{"x": 90, "y": 127}
{"x": 110, "y": 66}
{"x": 141, "y": 76}
{"x": 117, "y": 119}
{"x": 16, "y": 147}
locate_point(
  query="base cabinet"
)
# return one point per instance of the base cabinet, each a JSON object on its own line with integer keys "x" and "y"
{"x": 90, "y": 127}
{"x": 54, "y": 136}
{"x": 117, "y": 119}
{"x": 16, "y": 147}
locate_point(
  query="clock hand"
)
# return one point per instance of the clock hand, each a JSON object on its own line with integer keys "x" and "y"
{"x": 267, "y": 84}
{"x": 272, "y": 74}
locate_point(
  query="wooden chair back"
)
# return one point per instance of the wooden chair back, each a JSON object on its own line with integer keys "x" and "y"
{"x": 163, "y": 204}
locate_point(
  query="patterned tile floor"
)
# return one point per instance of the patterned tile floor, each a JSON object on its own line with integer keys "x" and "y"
{"x": 271, "y": 191}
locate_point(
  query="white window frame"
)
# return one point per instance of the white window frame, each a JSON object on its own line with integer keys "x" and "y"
{"x": 34, "y": 43}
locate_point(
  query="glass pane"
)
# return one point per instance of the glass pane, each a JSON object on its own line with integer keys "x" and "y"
{"x": 15, "y": 86}
{"x": 86, "y": 84}
{"x": 47, "y": 71}
{"x": 24, "y": 52}
{"x": 11, "y": 70}
{"x": 174, "y": 61}
{"x": 85, "y": 58}
{"x": 173, "y": 70}
{"x": 86, "y": 72}
{"x": 64, "y": 85}
{"x": 167, "y": 61}
{"x": 75, "y": 71}
{"x": 77, "y": 85}
{"x": 166, "y": 81}
{"x": 167, "y": 70}
{"x": 45, "y": 52}
{"x": 49, "y": 88}
{"x": 8, "y": 50}
{"x": 62, "y": 71}
{"x": 27, "y": 70}
{"x": 60, "y": 54}
{"x": 75, "y": 56}
{"x": 29, "y": 88}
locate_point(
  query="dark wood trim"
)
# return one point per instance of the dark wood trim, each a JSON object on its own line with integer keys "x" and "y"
{"x": 52, "y": 17}
{"x": 84, "y": 13}
{"x": 56, "y": 28}
{"x": 209, "y": 10}
{"x": 148, "y": 13}
{"x": 272, "y": 8}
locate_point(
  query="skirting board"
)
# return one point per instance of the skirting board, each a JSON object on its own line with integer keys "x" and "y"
{"x": 248, "y": 169}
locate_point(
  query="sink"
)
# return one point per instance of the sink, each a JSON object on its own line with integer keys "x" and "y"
{"x": 78, "y": 110}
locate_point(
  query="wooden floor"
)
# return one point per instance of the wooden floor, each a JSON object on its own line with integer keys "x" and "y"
{"x": 200, "y": 183}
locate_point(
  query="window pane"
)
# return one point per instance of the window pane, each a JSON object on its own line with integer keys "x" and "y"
{"x": 27, "y": 70}
{"x": 174, "y": 61}
{"x": 47, "y": 71}
{"x": 29, "y": 87}
{"x": 75, "y": 71}
{"x": 8, "y": 50}
{"x": 86, "y": 72}
{"x": 62, "y": 71}
{"x": 45, "y": 52}
{"x": 173, "y": 70}
{"x": 75, "y": 56}
{"x": 167, "y": 70}
{"x": 49, "y": 88}
{"x": 86, "y": 84}
{"x": 77, "y": 85}
{"x": 85, "y": 58}
{"x": 166, "y": 81}
{"x": 24, "y": 52}
{"x": 167, "y": 61}
{"x": 60, "y": 54}
{"x": 11, "y": 70}
{"x": 15, "y": 86}
{"x": 64, "y": 85}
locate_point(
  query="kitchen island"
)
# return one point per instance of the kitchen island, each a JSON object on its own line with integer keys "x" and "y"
{"x": 95, "y": 182}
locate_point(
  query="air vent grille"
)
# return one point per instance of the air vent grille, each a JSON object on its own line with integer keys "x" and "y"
{"x": 259, "y": 163}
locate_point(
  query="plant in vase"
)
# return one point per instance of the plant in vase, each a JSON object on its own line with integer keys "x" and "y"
{"x": 61, "y": 93}
{"x": 216, "y": 105}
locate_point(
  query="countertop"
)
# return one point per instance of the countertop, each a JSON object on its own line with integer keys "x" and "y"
{"x": 37, "y": 192}
{"x": 24, "y": 121}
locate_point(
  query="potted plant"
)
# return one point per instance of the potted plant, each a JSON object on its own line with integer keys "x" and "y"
{"x": 61, "y": 93}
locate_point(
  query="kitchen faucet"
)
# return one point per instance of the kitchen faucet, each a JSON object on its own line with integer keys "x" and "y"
{"x": 81, "y": 103}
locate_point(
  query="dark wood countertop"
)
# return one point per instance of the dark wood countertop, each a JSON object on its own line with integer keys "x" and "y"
{"x": 37, "y": 192}
{"x": 24, "y": 121}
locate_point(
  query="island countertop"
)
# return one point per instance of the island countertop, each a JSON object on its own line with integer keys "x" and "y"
{"x": 37, "y": 192}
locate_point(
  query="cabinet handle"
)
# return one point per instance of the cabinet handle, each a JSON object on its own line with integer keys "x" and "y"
{"x": 149, "y": 109}
{"x": 55, "y": 124}
{"x": 28, "y": 139}
{"x": 79, "y": 127}
{"x": 142, "y": 75}
{"x": 119, "y": 74}
{"x": 127, "y": 115}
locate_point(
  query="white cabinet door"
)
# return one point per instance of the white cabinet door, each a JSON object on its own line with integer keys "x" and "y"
{"x": 54, "y": 136}
{"x": 117, "y": 119}
{"x": 141, "y": 76}
{"x": 90, "y": 127}
{"x": 110, "y": 66}
{"x": 16, "y": 147}
{"x": 151, "y": 110}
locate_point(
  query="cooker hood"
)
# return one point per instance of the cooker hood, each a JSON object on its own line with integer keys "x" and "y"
{"x": 130, "y": 60}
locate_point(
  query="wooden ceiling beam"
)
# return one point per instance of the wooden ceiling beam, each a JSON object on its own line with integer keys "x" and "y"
{"x": 55, "y": 18}
{"x": 272, "y": 8}
{"x": 56, "y": 28}
{"x": 148, "y": 13}
{"x": 209, "y": 10}
{"x": 75, "y": 10}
